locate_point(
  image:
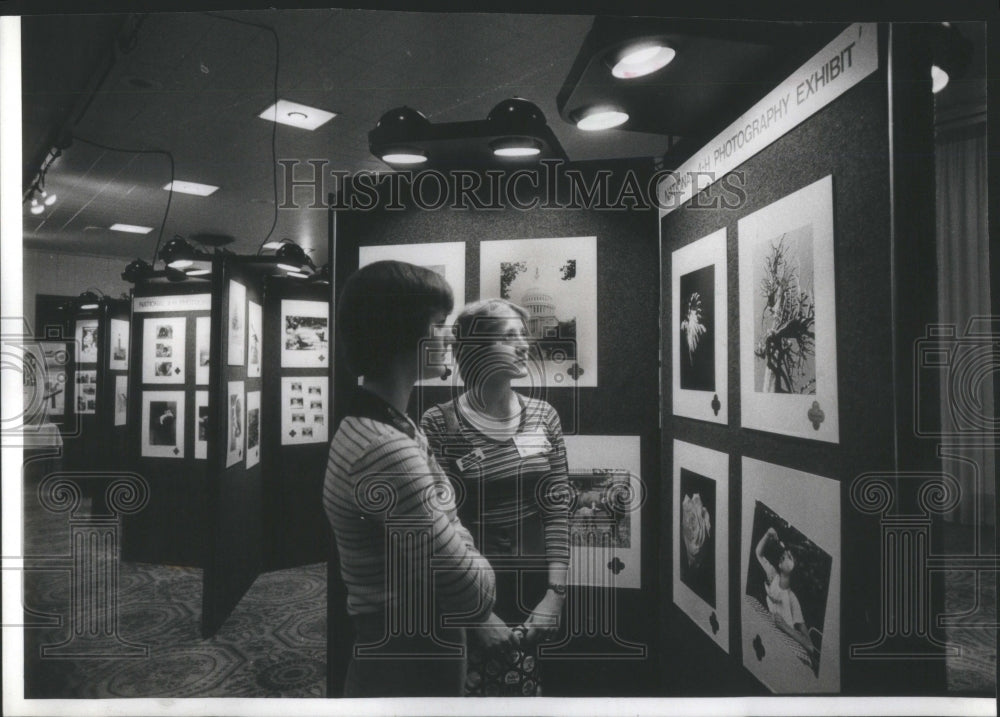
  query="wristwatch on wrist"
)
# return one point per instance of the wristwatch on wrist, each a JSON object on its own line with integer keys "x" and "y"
{"x": 559, "y": 590}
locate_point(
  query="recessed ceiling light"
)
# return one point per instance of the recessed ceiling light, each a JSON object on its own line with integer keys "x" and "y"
{"x": 601, "y": 118}
{"x": 130, "y": 228}
{"x": 201, "y": 190}
{"x": 939, "y": 79}
{"x": 640, "y": 60}
{"x": 296, "y": 115}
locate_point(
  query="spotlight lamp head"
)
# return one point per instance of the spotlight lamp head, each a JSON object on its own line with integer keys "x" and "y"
{"x": 516, "y": 113}
{"x": 397, "y": 136}
{"x": 177, "y": 253}
{"x": 88, "y": 301}
{"x": 639, "y": 58}
{"x": 136, "y": 271}
{"x": 599, "y": 117}
{"x": 951, "y": 54}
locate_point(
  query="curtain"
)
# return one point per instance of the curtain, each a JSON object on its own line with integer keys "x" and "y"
{"x": 963, "y": 293}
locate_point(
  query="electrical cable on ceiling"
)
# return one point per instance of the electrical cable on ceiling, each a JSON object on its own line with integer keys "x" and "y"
{"x": 170, "y": 192}
{"x": 274, "y": 125}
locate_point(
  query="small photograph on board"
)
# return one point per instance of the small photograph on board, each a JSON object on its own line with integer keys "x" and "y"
{"x": 55, "y": 358}
{"x": 555, "y": 281}
{"x": 121, "y": 400}
{"x": 86, "y": 341}
{"x": 790, "y": 560}
{"x": 201, "y": 424}
{"x": 86, "y": 392}
{"x": 237, "y": 324}
{"x": 594, "y": 519}
{"x": 236, "y": 420}
{"x": 254, "y": 350}
{"x": 163, "y": 424}
{"x": 701, "y": 538}
{"x": 699, "y": 342}
{"x": 163, "y": 344}
{"x": 788, "y": 340}
{"x": 299, "y": 424}
{"x": 119, "y": 345}
{"x": 253, "y": 428}
{"x": 306, "y": 337}
{"x": 202, "y": 344}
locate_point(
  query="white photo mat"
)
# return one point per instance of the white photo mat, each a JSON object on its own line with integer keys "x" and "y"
{"x": 163, "y": 349}
{"x": 87, "y": 337}
{"x": 305, "y": 333}
{"x": 121, "y": 399}
{"x": 699, "y": 339}
{"x": 201, "y": 417}
{"x": 712, "y": 466}
{"x": 594, "y": 565}
{"x": 446, "y": 258}
{"x": 163, "y": 424}
{"x": 253, "y": 428}
{"x": 236, "y": 325}
{"x": 794, "y": 234}
{"x": 118, "y": 352}
{"x": 202, "y": 348}
{"x": 236, "y": 422}
{"x": 555, "y": 280}
{"x": 810, "y": 505}
{"x": 255, "y": 350}
{"x": 304, "y": 410}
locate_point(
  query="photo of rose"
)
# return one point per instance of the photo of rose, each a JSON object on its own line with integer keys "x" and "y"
{"x": 697, "y": 527}
{"x": 697, "y": 534}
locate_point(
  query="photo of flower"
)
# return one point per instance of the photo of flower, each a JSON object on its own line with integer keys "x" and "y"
{"x": 697, "y": 538}
{"x": 697, "y": 295}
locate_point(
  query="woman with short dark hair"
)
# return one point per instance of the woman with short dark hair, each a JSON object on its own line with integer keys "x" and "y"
{"x": 406, "y": 560}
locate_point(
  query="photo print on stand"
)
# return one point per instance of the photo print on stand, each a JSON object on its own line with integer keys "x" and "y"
{"x": 304, "y": 409}
{"x": 305, "y": 341}
{"x": 54, "y": 358}
{"x": 790, "y": 565}
{"x": 605, "y": 521}
{"x": 86, "y": 392}
{"x": 201, "y": 424}
{"x": 163, "y": 424}
{"x": 445, "y": 258}
{"x": 118, "y": 359}
{"x": 86, "y": 341}
{"x": 163, "y": 349}
{"x": 121, "y": 399}
{"x": 254, "y": 349}
{"x": 788, "y": 340}
{"x": 253, "y": 428}
{"x": 237, "y": 324}
{"x": 701, "y": 538}
{"x": 555, "y": 281}
{"x": 202, "y": 347}
{"x": 699, "y": 341}
{"x": 236, "y": 423}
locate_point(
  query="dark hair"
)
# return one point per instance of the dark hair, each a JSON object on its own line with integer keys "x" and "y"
{"x": 476, "y": 327}
{"x": 385, "y": 309}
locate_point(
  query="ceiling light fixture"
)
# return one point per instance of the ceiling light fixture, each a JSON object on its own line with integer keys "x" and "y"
{"x": 196, "y": 188}
{"x": 292, "y": 258}
{"x": 594, "y": 119}
{"x": 939, "y": 79}
{"x": 516, "y": 147}
{"x": 404, "y": 156}
{"x": 951, "y": 54}
{"x": 297, "y": 274}
{"x": 640, "y": 59}
{"x": 89, "y": 300}
{"x": 199, "y": 272}
{"x": 136, "y": 271}
{"x": 50, "y": 199}
{"x": 178, "y": 254}
{"x": 36, "y": 207}
{"x": 130, "y": 228}
{"x": 294, "y": 114}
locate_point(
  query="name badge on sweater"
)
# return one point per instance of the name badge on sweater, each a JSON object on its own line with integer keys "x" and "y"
{"x": 470, "y": 459}
{"x": 532, "y": 444}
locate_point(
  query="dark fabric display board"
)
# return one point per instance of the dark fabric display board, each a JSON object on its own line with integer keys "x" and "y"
{"x": 849, "y": 140}
{"x": 623, "y": 660}
{"x": 295, "y": 525}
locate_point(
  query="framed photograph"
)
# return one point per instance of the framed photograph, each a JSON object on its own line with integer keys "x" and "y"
{"x": 202, "y": 348}
{"x": 605, "y": 521}
{"x": 236, "y": 324}
{"x": 253, "y": 428}
{"x": 699, "y": 340}
{"x": 163, "y": 349}
{"x": 86, "y": 392}
{"x": 235, "y": 422}
{"x": 118, "y": 358}
{"x": 86, "y": 341}
{"x": 788, "y": 328}
{"x": 201, "y": 424}
{"x": 701, "y": 538}
{"x": 790, "y": 559}
{"x": 305, "y": 342}
{"x": 121, "y": 399}
{"x": 555, "y": 280}
{"x": 163, "y": 424}
{"x": 304, "y": 409}
{"x": 254, "y": 348}
{"x": 55, "y": 357}
{"x": 447, "y": 259}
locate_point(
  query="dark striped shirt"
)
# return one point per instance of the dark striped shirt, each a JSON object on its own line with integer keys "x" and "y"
{"x": 510, "y": 494}
{"x": 382, "y": 482}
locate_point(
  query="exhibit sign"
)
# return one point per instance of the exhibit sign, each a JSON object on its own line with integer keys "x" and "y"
{"x": 183, "y": 302}
{"x": 843, "y": 63}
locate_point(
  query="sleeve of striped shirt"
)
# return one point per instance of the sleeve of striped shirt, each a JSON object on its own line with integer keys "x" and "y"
{"x": 463, "y": 579}
{"x": 433, "y": 426}
{"x": 555, "y": 513}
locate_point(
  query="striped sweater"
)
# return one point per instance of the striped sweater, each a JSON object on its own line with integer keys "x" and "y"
{"x": 381, "y": 481}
